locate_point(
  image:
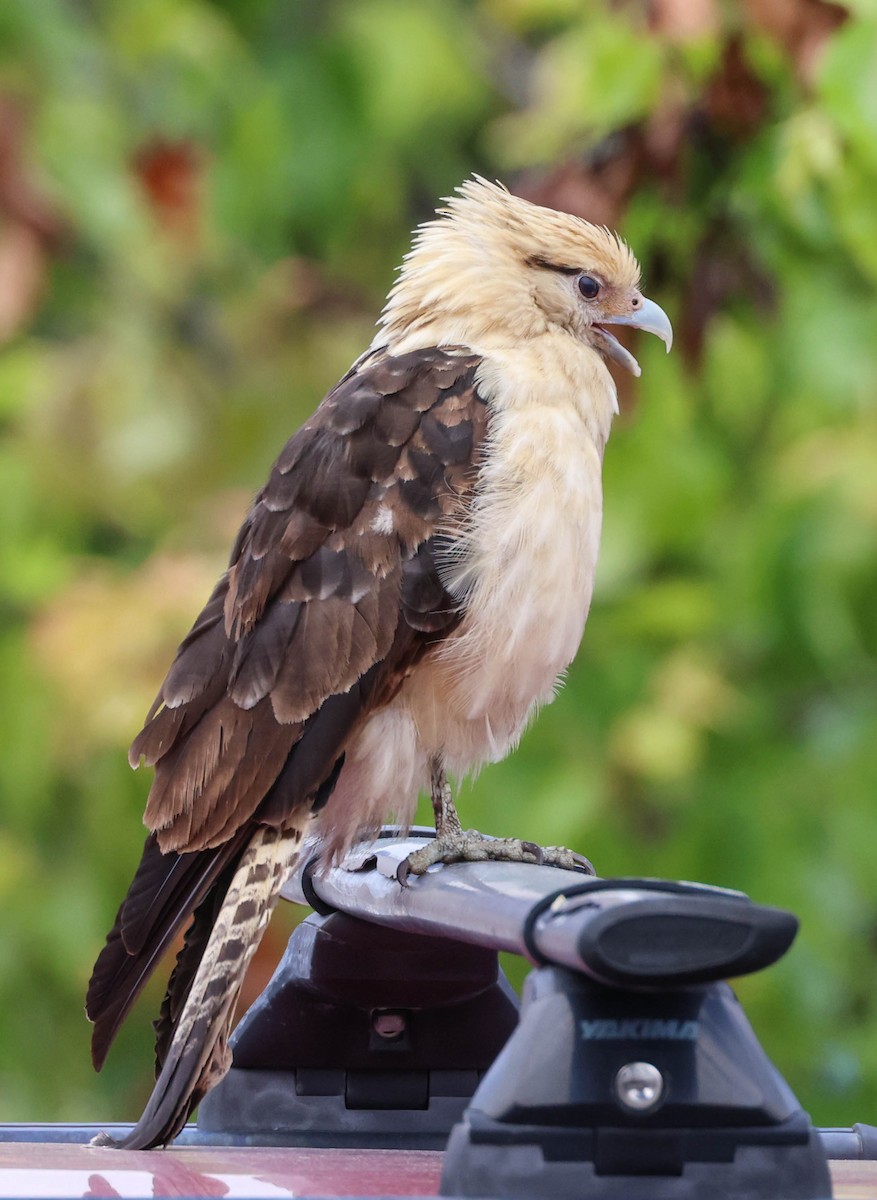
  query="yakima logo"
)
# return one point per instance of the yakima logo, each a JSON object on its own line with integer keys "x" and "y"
{"x": 638, "y": 1029}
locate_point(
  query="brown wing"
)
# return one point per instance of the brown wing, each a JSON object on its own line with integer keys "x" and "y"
{"x": 331, "y": 595}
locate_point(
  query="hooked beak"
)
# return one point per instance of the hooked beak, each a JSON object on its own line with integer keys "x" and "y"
{"x": 648, "y": 316}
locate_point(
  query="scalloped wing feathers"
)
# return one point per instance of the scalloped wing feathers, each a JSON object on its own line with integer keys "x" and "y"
{"x": 334, "y": 563}
{"x": 332, "y": 594}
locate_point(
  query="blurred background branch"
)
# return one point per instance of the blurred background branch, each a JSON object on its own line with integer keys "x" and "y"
{"x": 201, "y": 206}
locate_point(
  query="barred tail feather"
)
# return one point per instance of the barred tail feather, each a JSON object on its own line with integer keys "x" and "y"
{"x": 198, "y": 1055}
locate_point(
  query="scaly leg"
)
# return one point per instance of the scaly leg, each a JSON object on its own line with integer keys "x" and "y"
{"x": 453, "y": 844}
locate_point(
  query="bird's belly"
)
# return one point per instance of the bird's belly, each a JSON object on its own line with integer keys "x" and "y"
{"x": 526, "y": 576}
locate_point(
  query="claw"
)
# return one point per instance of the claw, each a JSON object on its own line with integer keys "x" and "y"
{"x": 402, "y": 873}
{"x": 568, "y": 860}
{"x": 536, "y": 850}
{"x": 583, "y": 864}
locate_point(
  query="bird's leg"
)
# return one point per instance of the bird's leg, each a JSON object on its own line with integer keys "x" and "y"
{"x": 447, "y": 822}
{"x": 452, "y": 843}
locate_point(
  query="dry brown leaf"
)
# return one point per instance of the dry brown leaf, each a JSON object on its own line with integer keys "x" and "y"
{"x": 802, "y": 27}
{"x": 170, "y": 175}
{"x": 684, "y": 20}
{"x": 22, "y": 274}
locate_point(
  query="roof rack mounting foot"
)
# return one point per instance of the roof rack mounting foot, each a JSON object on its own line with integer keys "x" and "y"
{"x": 619, "y": 1094}
{"x": 365, "y": 1037}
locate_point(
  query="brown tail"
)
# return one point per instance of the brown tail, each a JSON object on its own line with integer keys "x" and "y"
{"x": 198, "y": 1055}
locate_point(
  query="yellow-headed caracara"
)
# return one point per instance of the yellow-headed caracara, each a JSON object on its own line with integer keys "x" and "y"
{"x": 402, "y": 597}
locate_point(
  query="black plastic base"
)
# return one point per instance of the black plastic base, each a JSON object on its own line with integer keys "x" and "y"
{"x": 722, "y": 1124}
{"x": 365, "y": 1037}
{"x": 522, "y": 1171}
{"x": 287, "y": 1106}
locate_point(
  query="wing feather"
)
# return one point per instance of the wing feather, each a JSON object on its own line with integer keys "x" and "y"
{"x": 181, "y": 882}
{"x": 332, "y": 593}
{"x": 200, "y": 657}
{"x": 262, "y": 652}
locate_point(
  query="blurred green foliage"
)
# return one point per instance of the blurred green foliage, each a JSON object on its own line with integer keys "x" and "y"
{"x": 201, "y": 205}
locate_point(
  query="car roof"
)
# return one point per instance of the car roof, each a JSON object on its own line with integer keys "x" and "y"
{"x": 44, "y": 1170}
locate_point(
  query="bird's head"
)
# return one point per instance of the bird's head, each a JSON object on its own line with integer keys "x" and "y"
{"x": 492, "y": 267}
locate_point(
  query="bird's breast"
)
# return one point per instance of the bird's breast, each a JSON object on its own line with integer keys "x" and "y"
{"x": 523, "y": 572}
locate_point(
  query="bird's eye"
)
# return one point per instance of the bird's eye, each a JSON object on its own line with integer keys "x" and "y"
{"x": 589, "y": 286}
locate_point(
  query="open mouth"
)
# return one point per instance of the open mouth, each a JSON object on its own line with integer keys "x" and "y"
{"x": 644, "y": 314}
{"x": 612, "y": 348}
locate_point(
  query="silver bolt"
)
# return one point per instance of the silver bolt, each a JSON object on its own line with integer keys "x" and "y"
{"x": 388, "y": 1025}
{"x": 639, "y": 1085}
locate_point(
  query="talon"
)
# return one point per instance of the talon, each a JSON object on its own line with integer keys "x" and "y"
{"x": 535, "y": 850}
{"x": 402, "y": 872}
{"x": 583, "y": 864}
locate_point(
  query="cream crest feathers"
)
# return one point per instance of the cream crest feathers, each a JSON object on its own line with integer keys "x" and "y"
{"x": 473, "y": 274}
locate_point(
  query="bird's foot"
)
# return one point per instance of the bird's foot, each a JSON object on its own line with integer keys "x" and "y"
{"x": 468, "y": 845}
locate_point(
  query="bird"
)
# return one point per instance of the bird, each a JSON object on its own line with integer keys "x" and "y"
{"x": 406, "y": 591}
